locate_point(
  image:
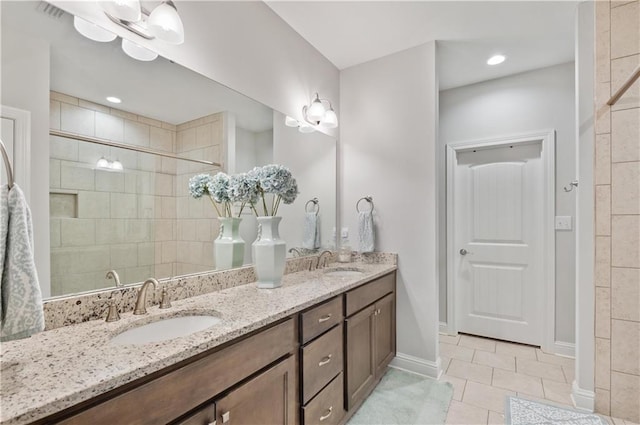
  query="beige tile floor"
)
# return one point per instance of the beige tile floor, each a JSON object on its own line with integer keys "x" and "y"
{"x": 483, "y": 371}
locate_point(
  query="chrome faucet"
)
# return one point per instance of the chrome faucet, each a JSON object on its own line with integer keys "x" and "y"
{"x": 112, "y": 274}
{"x": 322, "y": 261}
{"x": 141, "y": 302}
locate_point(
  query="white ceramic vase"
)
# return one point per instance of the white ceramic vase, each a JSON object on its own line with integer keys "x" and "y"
{"x": 228, "y": 248}
{"x": 269, "y": 252}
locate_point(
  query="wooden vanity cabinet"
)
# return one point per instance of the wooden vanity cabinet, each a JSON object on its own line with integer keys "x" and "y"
{"x": 315, "y": 367}
{"x": 370, "y": 337}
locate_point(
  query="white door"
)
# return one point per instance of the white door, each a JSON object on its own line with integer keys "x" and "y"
{"x": 499, "y": 239}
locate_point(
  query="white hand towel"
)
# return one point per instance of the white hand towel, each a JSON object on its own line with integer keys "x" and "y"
{"x": 22, "y": 313}
{"x": 311, "y": 231}
{"x": 366, "y": 233}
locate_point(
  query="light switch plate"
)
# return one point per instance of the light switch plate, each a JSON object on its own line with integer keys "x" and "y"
{"x": 344, "y": 233}
{"x": 564, "y": 222}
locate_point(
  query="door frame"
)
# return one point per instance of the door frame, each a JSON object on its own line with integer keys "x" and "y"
{"x": 547, "y": 138}
{"x": 21, "y": 161}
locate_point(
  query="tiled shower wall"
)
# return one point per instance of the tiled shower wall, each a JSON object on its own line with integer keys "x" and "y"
{"x": 198, "y": 139}
{"x": 617, "y": 212}
{"x": 126, "y": 220}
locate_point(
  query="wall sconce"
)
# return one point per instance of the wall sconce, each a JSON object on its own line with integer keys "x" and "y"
{"x": 317, "y": 114}
{"x": 104, "y": 164}
{"x": 163, "y": 23}
{"x": 302, "y": 126}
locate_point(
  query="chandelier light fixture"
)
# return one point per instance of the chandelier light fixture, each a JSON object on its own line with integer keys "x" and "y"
{"x": 162, "y": 23}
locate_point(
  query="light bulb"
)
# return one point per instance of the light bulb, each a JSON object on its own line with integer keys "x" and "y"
{"x": 316, "y": 111}
{"x": 127, "y": 10}
{"x": 103, "y": 163}
{"x": 138, "y": 52}
{"x": 330, "y": 119}
{"x": 92, "y": 31}
{"x": 165, "y": 23}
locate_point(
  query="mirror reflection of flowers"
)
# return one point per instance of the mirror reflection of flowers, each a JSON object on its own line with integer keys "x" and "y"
{"x": 275, "y": 180}
{"x": 223, "y": 191}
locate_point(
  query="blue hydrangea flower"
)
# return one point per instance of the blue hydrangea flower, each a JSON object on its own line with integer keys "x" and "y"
{"x": 218, "y": 188}
{"x": 198, "y": 185}
{"x": 243, "y": 188}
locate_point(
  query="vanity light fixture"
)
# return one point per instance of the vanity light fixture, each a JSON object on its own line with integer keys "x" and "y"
{"x": 92, "y": 31}
{"x": 496, "y": 60}
{"x": 163, "y": 22}
{"x": 113, "y": 99}
{"x": 138, "y": 52}
{"x": 317, "y": 114}
{"x": 104, "y": 164}
{"x": 290, "y": 122}
{"x": 302, "y": 126}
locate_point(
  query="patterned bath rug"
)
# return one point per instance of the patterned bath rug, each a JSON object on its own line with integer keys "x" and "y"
{"x": 520, "y": 411}
{"x": 404, "y": 398}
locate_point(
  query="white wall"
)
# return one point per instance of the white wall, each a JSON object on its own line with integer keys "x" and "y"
{"x": 243, "y": 45}
{"x": 388, "y": 147}
{"x": 523, "y": 103}
{"x": 25, "y": 85}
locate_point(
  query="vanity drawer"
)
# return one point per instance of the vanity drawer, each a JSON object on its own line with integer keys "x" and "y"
{"x": 317, "y": 320}
{"x": 327, "y": 408}
{"x": 321, "y": 362}
{"x": 369, "y": 293}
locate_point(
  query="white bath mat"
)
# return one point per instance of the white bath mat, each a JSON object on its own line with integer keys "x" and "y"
{"x": 520, "y": 411}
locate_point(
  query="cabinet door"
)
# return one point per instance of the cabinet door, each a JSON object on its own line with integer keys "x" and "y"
{"x": 269, "y": 398}
{"x": 360, "y": 355}
{"x": 385, "y": 333}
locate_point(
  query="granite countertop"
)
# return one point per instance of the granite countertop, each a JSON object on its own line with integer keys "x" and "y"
{"x": 57, "y": 369}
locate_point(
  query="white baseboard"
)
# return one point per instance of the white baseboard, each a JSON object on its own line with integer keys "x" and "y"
{"x": 584, "y": 400}
{"x": 566, "y": 349}
{"x": 416, "y": 365}
{"x": 444, "y": 328}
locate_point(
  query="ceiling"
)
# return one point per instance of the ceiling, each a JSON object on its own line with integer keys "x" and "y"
{"x": 531, "y": 34}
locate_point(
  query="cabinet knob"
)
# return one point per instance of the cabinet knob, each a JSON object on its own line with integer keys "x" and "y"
{"x": 213, "y": 423}
{"x": 324, "y": 318}
{"x": 226, "y": 416}
{"x": 326, "y": 415}
{"x": 324, "y": 360}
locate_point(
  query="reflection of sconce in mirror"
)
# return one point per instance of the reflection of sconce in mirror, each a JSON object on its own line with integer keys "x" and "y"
{"x": 162, "y": 23}
{"x": 105, "y": 164}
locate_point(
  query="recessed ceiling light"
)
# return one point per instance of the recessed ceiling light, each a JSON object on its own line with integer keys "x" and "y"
{"x": 496, "y": 59}
{"x": 114, "y": 99}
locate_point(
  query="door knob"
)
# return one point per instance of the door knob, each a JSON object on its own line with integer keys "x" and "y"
{"x": 463, "y": 251}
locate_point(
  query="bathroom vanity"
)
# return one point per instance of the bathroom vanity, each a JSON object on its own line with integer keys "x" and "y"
{"x": 309, "y": 352}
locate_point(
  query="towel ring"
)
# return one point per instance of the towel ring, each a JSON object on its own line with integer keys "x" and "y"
{"x": 316, "y": 204}
{"x": 369, "y": 199}
{"x": 7, "y": 165}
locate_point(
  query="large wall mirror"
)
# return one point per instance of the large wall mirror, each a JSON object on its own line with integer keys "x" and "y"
{"x": 123, "y": 209}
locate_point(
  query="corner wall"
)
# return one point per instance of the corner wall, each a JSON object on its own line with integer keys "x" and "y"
{"x": 617, "y": 212}
{"x": 388, "y": 148}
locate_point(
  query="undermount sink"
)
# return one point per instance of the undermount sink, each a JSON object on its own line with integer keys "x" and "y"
{"x": 343, "y": 272}
{"x": 165, "y": 329}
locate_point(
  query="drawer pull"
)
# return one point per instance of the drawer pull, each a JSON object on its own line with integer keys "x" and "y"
{"x": 325, "y": 360}
{"x": 225, "y": 417}
{"x": 326, "y": 415}
{"x": 324, "y": 318}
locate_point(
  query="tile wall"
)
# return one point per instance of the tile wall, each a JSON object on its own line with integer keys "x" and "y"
{"x": 617, "y": 212}
{"x": 126, "y": 220}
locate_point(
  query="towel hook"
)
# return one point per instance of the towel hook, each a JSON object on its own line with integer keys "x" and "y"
{"x": 369, "y": 199}
{"x": 315, "y": 202}
{"x": 571, "y": 186}
{"x": 7, "y": 164}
